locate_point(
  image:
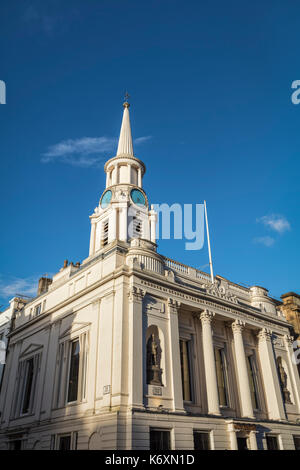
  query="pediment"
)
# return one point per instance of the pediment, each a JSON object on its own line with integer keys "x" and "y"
{"x": 32, "y": 348}
{"x": 75, "y": 326}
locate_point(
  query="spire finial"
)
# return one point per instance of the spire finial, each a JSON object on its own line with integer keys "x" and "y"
{"x": 125, "y": 146}
{"x": 126, "y": 97}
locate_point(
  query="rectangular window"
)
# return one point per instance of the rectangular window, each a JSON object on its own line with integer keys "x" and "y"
{"x": 221, "y": 370}
{"x": 297, "y": 442}
{"x": 201, "y": 440}
{"x": 252, "y": 374}
{"x": 160, "y": 439}
{"x": 28, "y": 385}
{"x": 77, "y": 369}
{"x": 15, "y": 445}
{"x": 242, "y": 443}
{"x": 105, "y": 233}
{"x": 185, "y": 370}
{"x": 37, "y": 309}
{"x": 65, "y": 442}
{"x": 272, "y": 442}
{"x": 73, "y": 371}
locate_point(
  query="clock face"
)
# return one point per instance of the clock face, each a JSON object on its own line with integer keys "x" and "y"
{"x": 105, "y": 200}
{"x": 138, "y": 197}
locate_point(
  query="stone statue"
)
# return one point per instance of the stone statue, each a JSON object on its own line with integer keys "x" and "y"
{"x": 283, "y": 381}
{"x": 154, "y": 370}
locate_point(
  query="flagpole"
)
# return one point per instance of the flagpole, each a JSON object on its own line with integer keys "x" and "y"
{"x": 208, "y": 242}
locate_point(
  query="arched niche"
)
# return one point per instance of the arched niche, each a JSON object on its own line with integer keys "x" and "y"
{"x": 155, "y": 356}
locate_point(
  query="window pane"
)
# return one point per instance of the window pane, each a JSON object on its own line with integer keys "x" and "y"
{"x": 201, "y": 441}
{"x": 272, "y": 442}
{"x": 74, "y": 371}
{"x": 28, "y": 385}
{"x": 65, "y": 443}
{"x": 253, "y": 381}
{"x": 221, "y": 376}
{"x": 242, "y": 443}
{"x": 297, "y": 442}
{"x": 185, "y": 370}
{"x": 159, "y": 440}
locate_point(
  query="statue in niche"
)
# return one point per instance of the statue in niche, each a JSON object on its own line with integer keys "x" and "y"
{"x": 283, "y": 381}
{"x": 154, "y": 370}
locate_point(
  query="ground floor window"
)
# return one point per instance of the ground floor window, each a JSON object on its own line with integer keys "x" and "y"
{"x": 272, "y": 442}
{"x": 15, "y": 445}
{"x": 64, "y": 441}
{"x": 160, "y": 439}
{"x": 297, "y": 442}
{"x": 242, "y": 443}
{"x": 201, "y": 440}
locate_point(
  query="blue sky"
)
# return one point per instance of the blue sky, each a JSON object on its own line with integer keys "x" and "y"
{"x": 211, "y": 112}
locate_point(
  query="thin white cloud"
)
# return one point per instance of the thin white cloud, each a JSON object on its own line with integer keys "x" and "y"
{"x": 84, "y": 152}
{"x": 267, "y": 241}
{"x": 13, "y": 286}
{"x": 275, "y": 222}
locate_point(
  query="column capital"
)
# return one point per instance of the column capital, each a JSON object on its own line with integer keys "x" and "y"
{"x": 288, "y": 339}
{"x": 173, "y": 304}
{"x": 136, "y": 294}
{"x": 206, "y": 316}
{"x": 238, "y": 325}
{"x": 265, "y": 334}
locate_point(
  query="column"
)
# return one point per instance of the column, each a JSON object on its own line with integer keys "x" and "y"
{"x": 136, "y": 358}
{"x": 270, "y": 376}
{"x": 129, "y": 173}
{"x": 123, "y": 222}
{"x": 253, "y": 440}
{"x": 242, "y": 371}
{"x": 113, "y": 226}
{"x": 152, "y": 225}
{"x": 294, "y": 375}
{"x": 232, "y": 436}
{"x": 140, "y": 177}
{"x": 173, "y": 307}
{"x": 92, "y": 239}
{"x": 209, "y": 363}
{"x": 107, "y": 179}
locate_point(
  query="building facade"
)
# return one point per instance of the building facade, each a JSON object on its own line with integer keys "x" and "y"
{"x": 133, "y": 350}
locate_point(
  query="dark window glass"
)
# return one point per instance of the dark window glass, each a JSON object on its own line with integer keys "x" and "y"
{"x": 15, "y": 445}
{"x": 242, "y": 443}
{"x": 201, "y": 441}
{"x": 253, "y": 381}
{"x": 297, "y": 442}
{"x": 221, "y": 371}
{"x": 74, "y": 371}
{"x": 185, "y": 370}
{"x": 159, "y": 440}
{"x": 272, "y": 442}
{"x": 65, "y": 443}
{"x": 28, "y": 385}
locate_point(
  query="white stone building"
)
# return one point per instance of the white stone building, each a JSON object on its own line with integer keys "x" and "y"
{"x": 132, "y": 350}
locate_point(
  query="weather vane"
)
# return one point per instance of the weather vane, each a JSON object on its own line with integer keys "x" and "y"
{"x": 126, "y": 96}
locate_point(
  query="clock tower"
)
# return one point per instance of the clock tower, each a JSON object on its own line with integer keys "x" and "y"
{"x": 123, "y": 212}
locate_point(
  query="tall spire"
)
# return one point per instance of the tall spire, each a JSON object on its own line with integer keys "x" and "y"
{"x": 125, "y": 146}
